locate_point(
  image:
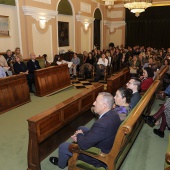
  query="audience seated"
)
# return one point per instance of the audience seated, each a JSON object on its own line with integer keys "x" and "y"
{"x": 21, "y": 68}
{"x": 9, "y": 57}
{"x": 166, "y": 80}
{"x": 73, "y": 69}
{"x": 56, "y": 59}
{"x": 163, "y": 113}
{"x": 18, "y": 53}
{"x": 88, "y": 66}
{"x": 47, "y": 64}
{"x": 2, "y": 72}
{"x": 100, "y": 68}
{"x": 33, "y": 64}
{"x": 147, "y": 78}
{"x": 134, "y": 84}
{"x": 122, "y": 102}
{"x": 4, "y": 65}
{"x": 100, "y": 135}
{"x": 135, "y": 66}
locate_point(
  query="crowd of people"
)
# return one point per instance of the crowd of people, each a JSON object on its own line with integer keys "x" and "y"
{"x": 10, "y": 63}
{"x": 144, "y": 65}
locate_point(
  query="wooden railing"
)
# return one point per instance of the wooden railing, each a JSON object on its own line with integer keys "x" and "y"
{"x": 45, "y": 128}
{"x": 117, "y": 81}
{"x": 14, "y": 92}
{"x": 51, "y": 79}
{"x": 125, "y": 136}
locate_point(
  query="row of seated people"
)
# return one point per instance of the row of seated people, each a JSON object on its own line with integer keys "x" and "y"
{"x": 20, "y": 67}
{"x": 111, "y": 112}
{"x": 100, "y": 65}
{"x": 103, "y": 131}
{"x": 115, "y": 59}
{"x": 136, "y": 67}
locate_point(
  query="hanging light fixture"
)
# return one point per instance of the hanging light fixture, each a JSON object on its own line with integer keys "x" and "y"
{"x": 137, "y": 6}
{"x": 108, "y": 3}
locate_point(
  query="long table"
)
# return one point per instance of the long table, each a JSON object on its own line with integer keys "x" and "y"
{"x": 45, "y": 128}
{"x": 51, "y": 79}
{"x": 14, "y": 92}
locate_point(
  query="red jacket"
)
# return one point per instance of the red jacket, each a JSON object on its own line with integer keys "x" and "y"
{"x": 146, "y": 84}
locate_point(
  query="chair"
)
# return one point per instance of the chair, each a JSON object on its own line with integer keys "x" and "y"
{"x": 75, "y": 164}
{"x": 86, "y": 67}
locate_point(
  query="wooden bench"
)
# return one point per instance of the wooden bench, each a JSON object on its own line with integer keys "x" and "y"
{"x": 125, "y": 137}
{"x": 40, "y": 59}
{"x": 117, "y": 81}
{"x": 167, "y": 157}
{"x": 51, "y": 79}
{"x": 13, "y": 92}
{"x": 45, "y": 129}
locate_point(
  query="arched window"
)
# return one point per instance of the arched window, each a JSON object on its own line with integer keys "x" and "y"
{"x": 97, "y": 30}
{"x": 64, "y": 7}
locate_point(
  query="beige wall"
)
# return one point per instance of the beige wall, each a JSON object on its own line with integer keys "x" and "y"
{"x": 12, "y": 41}
{"x": 35, "y": 39}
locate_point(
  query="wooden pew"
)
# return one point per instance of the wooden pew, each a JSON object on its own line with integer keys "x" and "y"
{"x": 13, "y": 92}
{"x": 117, "y": 81}
{"x": 45, "y": 129}
{"x": 40, "y": 59}
{"x": 167, "y": 157}
{"x": 51, "y": 79}
{"x": 160, "y": 75}
{"x": 125, "y": 137}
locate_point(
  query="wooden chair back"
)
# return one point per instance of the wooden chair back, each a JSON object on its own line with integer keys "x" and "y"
{"x": 125, "y": 136}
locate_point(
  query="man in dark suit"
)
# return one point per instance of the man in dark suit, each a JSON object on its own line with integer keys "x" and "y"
{"x": 134, "y": 84}
{"x": 100, "y": 135}
{"x": 33, "y": 64}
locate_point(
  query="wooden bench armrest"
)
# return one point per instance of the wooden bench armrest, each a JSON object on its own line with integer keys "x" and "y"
{"x": 93, "y": 151}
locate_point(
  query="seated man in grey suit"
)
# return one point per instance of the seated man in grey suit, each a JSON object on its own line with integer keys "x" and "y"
{"x": 134, "y": 84}
{"x": 100, "y": 135}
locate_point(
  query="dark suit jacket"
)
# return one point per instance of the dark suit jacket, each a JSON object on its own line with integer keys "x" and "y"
{"x": 19, "y": 67}
{"x": 134, "y": 99}
{"x": 33, "y": 66}
{"x": 101, "y": 135}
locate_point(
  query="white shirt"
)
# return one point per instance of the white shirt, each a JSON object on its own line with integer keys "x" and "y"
{"x": 105, "y": 62}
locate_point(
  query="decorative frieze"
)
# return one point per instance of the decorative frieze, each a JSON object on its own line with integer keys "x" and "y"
{"x": 44, "y": 1}
{"x": 114, "y": 14}
{"x": 114, "y": 24}
{"x": 39, "y": 13}
{"x": 84, "y": 7}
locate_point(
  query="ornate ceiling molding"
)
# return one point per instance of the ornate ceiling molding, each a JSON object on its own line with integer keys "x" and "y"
{"x": 114, "y": 24}
{"x": 84, "y": 19}
{"x": 39, "y": 13}
{"x": 44, "y": 1}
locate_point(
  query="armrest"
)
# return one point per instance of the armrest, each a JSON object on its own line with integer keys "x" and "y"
{"x": 74, "y": 148}
{"x": 93, "y": 151}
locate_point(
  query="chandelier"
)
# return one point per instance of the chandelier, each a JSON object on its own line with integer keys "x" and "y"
{"x": 109, "y": 3}
{"x": 137, "y": 6}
